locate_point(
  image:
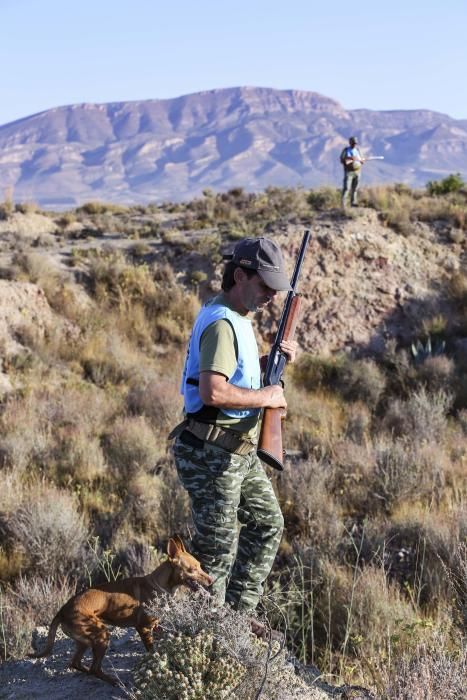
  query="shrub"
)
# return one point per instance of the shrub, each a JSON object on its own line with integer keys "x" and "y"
{"x": 155, "y": 505}
{"x": 417, "y": 550}
{"x": 7, "y": 208}
{"x": 314, "y": 422}
{"x": 108, "y": 358}
{"x": 79, "y": 456}
{"x": 26, "y": 207}
{"x": 423, "y": 417}
{"x": 404, "y": 470}
{"x": 324, "y": 198}
{"x": 360, "y": 380}
{"x": 431, "y": 673}
{"x": 310, "y": 513}
{"x": 437, "y": 374}
{"x": 32, "y": 602}
{"x": 456, "y": 573}
{"x": 457, "y": 288}
{"x": 153, "y": 397}
{"x": 11, "y": 493}
{"x": 50, "y": 531}
{"x": 451, "y": 183}
{"x": 196, "y": 634}
{"x": 187, "y": 667}
{"x": 131, "y": 447}
{"x": 358, "y": 422}
{"x": 94, "y": 208}
{"x": 42, "y": 596}
{"x": 313, "y": 371}
{"x": 24, "y": 434}
{"x": 349, "y": 473}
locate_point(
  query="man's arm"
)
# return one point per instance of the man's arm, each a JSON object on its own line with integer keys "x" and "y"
{"x": 215, "y": 390}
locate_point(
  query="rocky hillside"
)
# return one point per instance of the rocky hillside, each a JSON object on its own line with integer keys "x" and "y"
{"x": 157, "y": 150}
{"x": 362, "y": 282}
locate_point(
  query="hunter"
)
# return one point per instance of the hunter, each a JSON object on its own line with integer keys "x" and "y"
{"x": 352, "y": 162}
{"x": 215, "y": 447}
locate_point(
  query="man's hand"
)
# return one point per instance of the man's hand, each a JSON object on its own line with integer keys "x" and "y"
{"x": 274, "y": 397}
{"x": 290, "y": 347}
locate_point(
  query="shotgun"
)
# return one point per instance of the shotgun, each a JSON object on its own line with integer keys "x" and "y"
{"x": 270, "y": 437}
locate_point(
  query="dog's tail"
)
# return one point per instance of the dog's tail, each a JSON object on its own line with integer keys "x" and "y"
{"x": 50, "y": 638}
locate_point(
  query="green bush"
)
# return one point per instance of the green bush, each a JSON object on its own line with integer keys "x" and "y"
{"x": 324, "y": 198}
{"x": 451, "y": 183}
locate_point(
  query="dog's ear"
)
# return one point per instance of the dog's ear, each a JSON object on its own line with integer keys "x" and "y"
{"x": 179, "y": 542}
{"x": 172, "y": 549}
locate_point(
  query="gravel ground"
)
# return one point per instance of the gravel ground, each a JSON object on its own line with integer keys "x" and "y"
{"x": 51, "y": 679}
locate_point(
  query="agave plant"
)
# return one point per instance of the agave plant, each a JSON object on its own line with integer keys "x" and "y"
{"x": 421, "y": 352}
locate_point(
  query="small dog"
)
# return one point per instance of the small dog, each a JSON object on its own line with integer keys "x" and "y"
{"x": 85, "y": 616}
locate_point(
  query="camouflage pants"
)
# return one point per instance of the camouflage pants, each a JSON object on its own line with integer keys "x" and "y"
{"x": 237, "y": 519}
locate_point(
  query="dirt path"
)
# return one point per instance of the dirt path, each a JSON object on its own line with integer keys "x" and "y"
{"x": 51, "y": 679}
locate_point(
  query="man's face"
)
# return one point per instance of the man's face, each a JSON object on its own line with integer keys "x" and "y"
{"x": 254, "y": 293}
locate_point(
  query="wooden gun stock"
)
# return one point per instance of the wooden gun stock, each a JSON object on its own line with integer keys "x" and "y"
{"x": 270, "y": 438}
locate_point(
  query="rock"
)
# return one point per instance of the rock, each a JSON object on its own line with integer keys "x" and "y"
{"x": 5, "y": 385}
{"x": 24, "y": 306}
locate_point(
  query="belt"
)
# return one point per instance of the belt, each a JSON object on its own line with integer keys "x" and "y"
{"x": 215, "y": 435}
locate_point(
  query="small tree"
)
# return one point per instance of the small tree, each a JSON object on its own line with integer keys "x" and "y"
{"x": 451, "y": 183}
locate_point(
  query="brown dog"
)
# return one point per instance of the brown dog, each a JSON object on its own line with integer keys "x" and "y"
{"x": 85, "y": 616}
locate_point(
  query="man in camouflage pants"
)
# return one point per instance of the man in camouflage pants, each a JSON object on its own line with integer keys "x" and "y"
{"x": 237, "y": 519}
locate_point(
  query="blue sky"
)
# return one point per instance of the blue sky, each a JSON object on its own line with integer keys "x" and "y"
{"x": 397, "y": 55}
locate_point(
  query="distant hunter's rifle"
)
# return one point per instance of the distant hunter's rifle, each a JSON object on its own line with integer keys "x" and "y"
{"x": 270, "y": 438}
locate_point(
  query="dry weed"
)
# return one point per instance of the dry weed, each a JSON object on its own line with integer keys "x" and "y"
{"x": 109, "y": 358}
{"x": 404, "y": 471}
{"x": 358, "y": 426}
{"x": 348, "y": 475}
{"x": 314, "y": 422}
{"x": 131, "y": 447}
{"x": 41, "y": 597}
{"x": 431, "y": 673}
{"x": 422, "y": 417}
{"x": 49, "y": 529}
{"x": 156, "y": 398}
{"x": 361, "y": 380}
{"x": 310, "y": 513}
{"x": 438, "y": 374}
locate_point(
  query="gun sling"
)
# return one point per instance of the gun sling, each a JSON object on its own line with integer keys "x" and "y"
{"x": 226, "y": 439}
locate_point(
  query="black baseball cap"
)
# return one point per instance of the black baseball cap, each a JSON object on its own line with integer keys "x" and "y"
{"x": 264, "y": 256}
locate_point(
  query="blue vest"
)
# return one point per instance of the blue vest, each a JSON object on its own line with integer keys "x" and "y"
{"x": 247, "y": 374}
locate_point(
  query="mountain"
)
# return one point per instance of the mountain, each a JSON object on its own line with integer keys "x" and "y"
{"x": 155, "y": 150}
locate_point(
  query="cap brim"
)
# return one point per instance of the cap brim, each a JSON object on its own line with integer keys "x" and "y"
{"x": 275, "y": 280}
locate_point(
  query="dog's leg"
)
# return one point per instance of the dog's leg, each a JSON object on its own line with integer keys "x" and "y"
{"x": 145, "y": 626}
{"x": 78, "y": 655}
{"x": 100, "y": 642}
